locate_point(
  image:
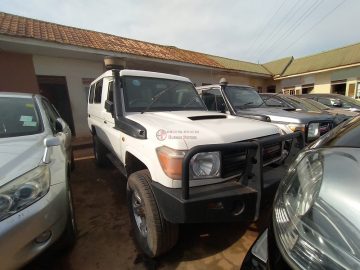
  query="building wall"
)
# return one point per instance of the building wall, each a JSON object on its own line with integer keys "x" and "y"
{"x": 76, "y": 72}
{"x": 208, "y": 76}
{"x": 17, "y": 73}
{"x": 322, "y": 81}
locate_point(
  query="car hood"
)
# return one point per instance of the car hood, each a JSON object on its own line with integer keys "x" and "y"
{"x": 19, "y": 155}
{"x": 286, "y": 116}
{"x": 338, "y": 200}
{"x": 199, "y": 127}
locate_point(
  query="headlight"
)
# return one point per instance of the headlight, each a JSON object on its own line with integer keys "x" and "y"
{"x": 23, "y": 191}
{"x": 205, "y": 165}
{"x": 309, "y": 232}
{"x": 202, "y": 165}
{"x": 296, "y": 127}
{"x": 313, "y": 131}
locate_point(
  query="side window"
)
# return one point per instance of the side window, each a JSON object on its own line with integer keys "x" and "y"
{"x": 213, "y": 99}
{"x": 51, "y": 114}
{"x": 110, "y": 96}
{"x": 91, "y": 93}
{"x": 98, "y": 92}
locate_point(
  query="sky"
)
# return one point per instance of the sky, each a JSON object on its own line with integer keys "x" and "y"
{"x": 250, "y": 30}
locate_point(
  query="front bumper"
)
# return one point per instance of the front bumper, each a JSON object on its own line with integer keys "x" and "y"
{"x": 265, "y": 254}
{"x": 239, "y": 199}
{"x": 19, "y": 231}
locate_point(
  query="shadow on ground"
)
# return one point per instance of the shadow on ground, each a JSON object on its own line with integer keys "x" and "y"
{"x": 105, "y": 241}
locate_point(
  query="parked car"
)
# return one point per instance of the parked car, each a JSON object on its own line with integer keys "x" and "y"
{"x": 35, "y": 199}
{"x": 183, "y": 163}
{"x": 306, "y": 105}
{"x": 242, "y": 100}
{"x": 315, "y": 218}
{"x": 332, "y": 110}
{"x": 336, "y": 100}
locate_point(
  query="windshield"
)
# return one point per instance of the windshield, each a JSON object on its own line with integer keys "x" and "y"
{"x": 348, "y": 102}
{"x": 18, "y": 117}
{"x": 316, "y": 104}
{"x": 301, "y": 104}
{"x": 243, "y": 97}
{"x": 155, "y": 94}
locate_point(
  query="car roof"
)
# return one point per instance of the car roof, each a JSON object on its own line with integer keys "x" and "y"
{"x": 323, "y": 95}
{"x": 16, "y": 94}
{"x": 217, "y": 85}
{"x": 142, "y": 73}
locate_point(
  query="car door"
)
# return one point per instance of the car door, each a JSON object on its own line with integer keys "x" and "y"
{"x": 52, "y": 115}
{"x": 113, "y": 140}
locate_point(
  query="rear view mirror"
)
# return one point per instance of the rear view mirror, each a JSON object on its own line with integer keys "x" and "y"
{"x": 109, "y": 106}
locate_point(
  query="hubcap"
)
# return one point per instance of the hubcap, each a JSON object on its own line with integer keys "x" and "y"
{"x": 139, "y": 213}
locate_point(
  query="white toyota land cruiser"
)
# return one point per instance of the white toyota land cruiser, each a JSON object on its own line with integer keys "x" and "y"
{"x": 183, "y": 163}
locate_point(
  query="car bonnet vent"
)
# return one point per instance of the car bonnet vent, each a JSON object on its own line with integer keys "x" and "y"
{"x": 207, "y": 117}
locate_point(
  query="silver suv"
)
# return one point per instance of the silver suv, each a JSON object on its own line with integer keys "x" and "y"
{"x": 35, "y": 162}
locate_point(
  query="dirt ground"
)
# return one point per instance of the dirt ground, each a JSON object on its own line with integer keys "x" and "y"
{"x": 105, "y": 241}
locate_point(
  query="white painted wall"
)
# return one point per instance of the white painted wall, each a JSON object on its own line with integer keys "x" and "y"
{"x": 74, "y": 70}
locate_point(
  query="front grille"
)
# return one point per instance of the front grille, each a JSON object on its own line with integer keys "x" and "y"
{"x": 233, "y": 162}
{"x": 325, "y": 127}
{"x": 272, "y": 152}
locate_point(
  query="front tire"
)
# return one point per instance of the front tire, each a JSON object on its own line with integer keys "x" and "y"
{"x": 153, "y": 234}
{"x": 68, "y": 238}
{"x": 99, "y": 152}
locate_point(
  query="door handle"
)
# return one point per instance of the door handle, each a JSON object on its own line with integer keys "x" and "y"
{"x": 105, "y": 122}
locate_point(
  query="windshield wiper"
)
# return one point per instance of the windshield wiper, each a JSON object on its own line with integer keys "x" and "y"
{"x": 157, "y": 96}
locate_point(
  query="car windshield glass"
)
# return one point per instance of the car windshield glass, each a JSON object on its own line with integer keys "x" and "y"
{"x": 243, "y": 97}
{"x": 18, "y": 117}
{"x": 155, "y": 94}
{"x": 317, "y": 104}
{"x": 301, "y": 104}
{"x": 348, "y": 102}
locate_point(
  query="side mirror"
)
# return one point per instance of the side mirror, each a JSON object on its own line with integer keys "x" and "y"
{"x": 60, "y": 125}
{"x": 109, "y": 106}
{"x": 337, "y": 103}
{"x": 222, "y": 107}
{"x": 48, "y": 143}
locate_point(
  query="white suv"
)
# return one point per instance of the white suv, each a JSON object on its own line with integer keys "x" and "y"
{"x": 183, "y": 163}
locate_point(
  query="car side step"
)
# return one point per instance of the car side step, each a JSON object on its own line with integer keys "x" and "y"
{"x": 117, "y": 163}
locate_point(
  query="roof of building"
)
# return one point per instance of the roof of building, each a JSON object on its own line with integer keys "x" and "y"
{"x": 17, "y": 26}
{"x": 277, "y": 67}
{"x": 239, "y": 65}
{"x": 334, "y": 58}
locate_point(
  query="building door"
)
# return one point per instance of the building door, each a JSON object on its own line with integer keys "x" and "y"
{"x": 54, "y": 88}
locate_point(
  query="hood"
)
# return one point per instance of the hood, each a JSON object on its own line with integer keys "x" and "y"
{"x": 338, "y": 199}
{"x": 19, "y": 155}
{"x": 286, "y": 116}
{"x": 337, "y": 111}
{"x": 190, "y": 128}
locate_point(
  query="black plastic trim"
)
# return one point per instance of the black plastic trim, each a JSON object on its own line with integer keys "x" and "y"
{"x": 130, "y": 128}
{"x": 122, "y": 123}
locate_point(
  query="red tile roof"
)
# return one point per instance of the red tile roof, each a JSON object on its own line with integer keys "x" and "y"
{"x": 17, "y": 26}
